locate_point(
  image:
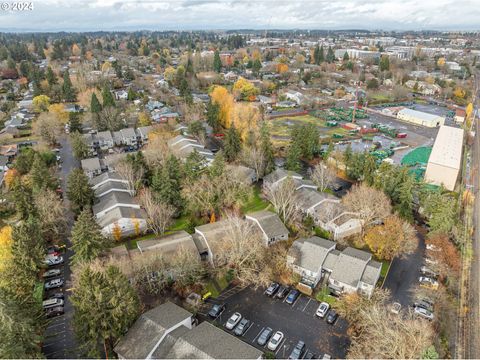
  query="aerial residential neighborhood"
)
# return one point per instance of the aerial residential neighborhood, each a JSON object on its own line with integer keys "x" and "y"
{"x": 218, "y": 180}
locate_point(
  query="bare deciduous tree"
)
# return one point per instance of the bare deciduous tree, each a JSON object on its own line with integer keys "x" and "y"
{"x": 133, "y": 176}
{"x": 282, "y": 197}
{"x": 254, "y": 157}
{"x": 160, "y": 215}
{"x": 322, "y": 176}
{"x": 369, "y": 203}
{"x": 51, "y": 213}
{"x": 378, "y": 333}
{"x": 48, "y": 127}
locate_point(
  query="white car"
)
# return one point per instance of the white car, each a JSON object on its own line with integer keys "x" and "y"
{"x": 275, "y": 340}
{"x": 233, "y": 321}
{"x": 431, "y": 261}
{"x": 53, "y": 260}
{"x": 432, "y": 247}
{"x": 420, "y": 311}
{"x": 51, "y": 272}
{"x": 428, "y": 282}
{"x": 322, "y": 310}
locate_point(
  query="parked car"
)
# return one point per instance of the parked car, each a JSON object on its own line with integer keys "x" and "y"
{"x": 264, "y": 336}
{"x": 52, "y": 284}
{"x": 51, "y": 273}
{"x": 420, "y": 311}
{"x": 326, "y": 356}
{"x": 56, "y": 311}
{"x": 432, "y": 247}
{"x": 275, "y": 340}
{"x": 297, "y": 351}
{"x": 292, "y": 296}
{"x": 242, "y": 326}
{"x": 233, "y": 321}
{"x": 216, "y": 310}
{"x": 428, "y": 272}
{"x": 272, "y": 289}
{"x": 430, "y": 261}
{"x": 57, "y": 295}
{"x": 53, "y": 260}
{"x": 310, "y": 355}
{"x": 427, "y": 305}
{"x": 332, "y": 317}
{"x": 322, "y": 310}
{"x": 282, "y": 292}
{"x": 395, "y": 308}
{"x": 53, "y": 250}
{"x": 53, "y": 302}
{"x": 428, "y": 282}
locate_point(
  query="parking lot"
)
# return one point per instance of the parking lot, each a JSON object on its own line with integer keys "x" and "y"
{"x": 296, "y": 321}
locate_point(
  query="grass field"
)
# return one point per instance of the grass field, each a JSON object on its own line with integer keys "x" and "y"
{"x": 283, "y": 126}
{"x": 255, "y": 203}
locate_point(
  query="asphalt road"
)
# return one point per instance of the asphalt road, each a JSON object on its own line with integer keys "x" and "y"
{"x": 297, "y": 322}
{"x": 404, "y": 273}
{"x": 59, "y": 342}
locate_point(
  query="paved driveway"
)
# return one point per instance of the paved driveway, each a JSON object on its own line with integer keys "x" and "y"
{"x": 297, "y": 322}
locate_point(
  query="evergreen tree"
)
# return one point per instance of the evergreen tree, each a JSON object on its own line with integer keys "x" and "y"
{"x": 217, "y": 62}
{"x": 369, "y": 168}
{"x": 330, "y": 55}
{"x": 57, "y": 53}
{"x": 267, "y": 148}
{"x": 166, "y": 183}
{"x": 346, "y": 57}
{"x": 51, "y": 78}
{"x": 232, "y": 144}
{"x": 95, "y": 106}
{"x": 107, "y": 97}
{"x": 347, "y": 156}
{"x": 404, "y": 206}
{"x": 321, "y": 55}
{"x": 213, "y": 111}
{"x": 68, "y": 91}
{"x": 131, "y": 95}
{"x": 316, "y": 55}
{"x": 194, "y": 165}
{"x": 74, "y": 122}
{"x": 80, "y": 148}
{"x": 257, "y": 65}
{"x": 22, "y": 198}
{"x": 79, "y": 191}
{"x": 87, "y": 239}
{"x": 218, "y": 165}
{"x": 39, "y": 175}
{"x": 106, "y": 305}
{"x": 293, "y": 157}
{"x": 384, "y": 63}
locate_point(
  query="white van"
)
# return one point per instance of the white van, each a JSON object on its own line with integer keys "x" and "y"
{"x": 50, "y": 303}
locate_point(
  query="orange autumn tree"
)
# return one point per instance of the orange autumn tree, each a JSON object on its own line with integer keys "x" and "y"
{"x": 245, "y": 90}
{"x": 5, "y": 247}
{"x": 10, "y": 177}
{"x": 282, "y": 68}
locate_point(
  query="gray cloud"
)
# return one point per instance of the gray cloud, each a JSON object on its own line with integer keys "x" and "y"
{"x": 53, "y": 15}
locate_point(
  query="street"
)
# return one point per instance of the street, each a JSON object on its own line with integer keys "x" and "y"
{"x": 59, "y": 342}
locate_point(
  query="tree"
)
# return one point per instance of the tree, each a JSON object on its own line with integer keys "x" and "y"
{"x": 47, "y": 127}
{"x": 79, "y": 146}
{"x": 133, "y": 174}
{"x": 244, "y": 89}
{"x": 87, "y": 239}
{"x": 160, "y": 215}
{"x": 404, "y": 206}
{"x": 232, "y": 145}
{"x": 378, "y": 333}
{"x": 213, "y": 115}
{"x": 384, "y": 63}
{"x": 69, "y": 93}
{"x": 372, "y": 84}
{"x": 217, "y": 62}
{"x": 41, "y": 103}
{"x": 166, "y": 183}
{"x": 293, "y": 157}
{"x": 40, "y": 177}
{"x": 322, "y": 176}
{"x": 79, "y": 191}
{"x": 107, "y": 97}
{"x": 395, "y": 237}
{"x": 330, "y": 55}
{"x": 5, "y": 247}
{"x": 95, "y": 106}
{"x": 22, "y": 197}
{"x": 346, "y": 57}
{"x": 105, "y": 305}
{"x": 441, "y": 212}
{"x": 282, "y": 196}
{"x": 51, "y": 214}
{"x": 144, "y": 119}
{"x": 225, "y": 102}
{"x": 51, "y": 77}
{"x": 74, "y": 122}
{"x": 194, "y": 165}
{"x": 306, "y": 138}
{"x": 445, "y": 253}
{"x": 370, "y": 204}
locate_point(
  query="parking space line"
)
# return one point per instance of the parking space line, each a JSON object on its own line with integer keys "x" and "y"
{"x": 298, "y": 298}
{"x": 255, "y": 338}
{"x": 245, "y": 333}
{"x": 280, "y": 345}
{"x": 307, "y": 304}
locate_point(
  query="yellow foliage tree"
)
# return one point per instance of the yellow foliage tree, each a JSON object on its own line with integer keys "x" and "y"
{"x": 106, "y": 66}
{"x": 41, "y": 103}
{"x": 5, "y": 247}
{"x": 59, "y": 111}
{"x": 459, "y": 92}
{"x": 245, "y": 116}
{"x": 144, "y": 119}
{"x": 225, "y": 101}
{"x": 169, "y": 73}
{"x": 76, "y": 50}
{"x": 282, "y": 68}
{"x": 469, "y": 110}
{"x": 10, "y": 177}
{"x": 116, "y": 232}
{"x": 244, "y": 89}
{"x": 441, "y": 62}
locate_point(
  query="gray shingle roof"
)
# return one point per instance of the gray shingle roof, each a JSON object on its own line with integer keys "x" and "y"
{"x": 310, "y": 253}
{"x": 107, "y": 176}
{"x": 149, "y": 328}
{"x": 120, "y": 212}
{"x": 91, "y": 164}
{"x": 372, "y": 272}
{"x": 169, "y": 243}
{"x": 112, "y": 198}
{"x": 270, "y": 223}
{"x": 350, "y": 266}
{"x": 109, "y": 186}
{"x": 279, "y": 174}
{"x": 306, "y": 198}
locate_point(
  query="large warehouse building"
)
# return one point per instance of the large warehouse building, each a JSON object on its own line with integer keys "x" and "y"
{"x": 420, "y": 118}
{"x": 446, "y": 158}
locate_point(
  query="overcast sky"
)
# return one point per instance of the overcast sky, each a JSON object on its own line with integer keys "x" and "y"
{"x": 80, "y": 15}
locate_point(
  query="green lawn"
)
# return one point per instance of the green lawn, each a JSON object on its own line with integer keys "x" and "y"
{"x": 38, "y": 292}
{"x": 255, "y": 203}
{"x": 385, "y": 267}
{"x": 210, "y": 287}
{"x": 321, "y": 232}
{"x": 324, "y": 296}
{"x": 180, "y": 224}
{"x": 283, "y": 126}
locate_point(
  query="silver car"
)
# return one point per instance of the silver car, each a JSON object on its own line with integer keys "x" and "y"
{"x": 275, "y": 340}
{"x": 420, "y": 311}
{"x": 233, "y": 321}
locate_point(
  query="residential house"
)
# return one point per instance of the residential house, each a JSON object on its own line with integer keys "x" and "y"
{"x": 306, "y": 257}
{"x": 170, "y": 332}
{"x": 3, "y": 163}
{"x": 129, "y": 137}
{"x": 307, "y": 200}
{"x": 128, "y": 221}
{"x": 105, "y": 140}
{"x": 270, "y": 225}
{"x": 10, "y": 151}
{"x": 142, "y": 133}
{"x": 152, "y": 105}
{"x": 265, "y": 100}
{"x": 242, "y": 174}
{"x": 106, "y": 178}
{"x": 295, "y": 96}
{"x": 113, "y": 200}
{"x": 182, "y": 146}
{"x": 277, "y": 176}
{"x": 121, "y": 95}
{"x": 460, "y": 115}
{"x": 73, "y": 108}
{"x": 331, "y": 215}
{"x": 111, "y": 186}
{"x": 92, "y": 142}
{"x": 91, "y": 167}
{"x": 169, "y": 244}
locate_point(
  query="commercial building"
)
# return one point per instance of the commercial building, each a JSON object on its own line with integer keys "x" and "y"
{"x": 446, "y": 158}
{"x": 420, "y": 118}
